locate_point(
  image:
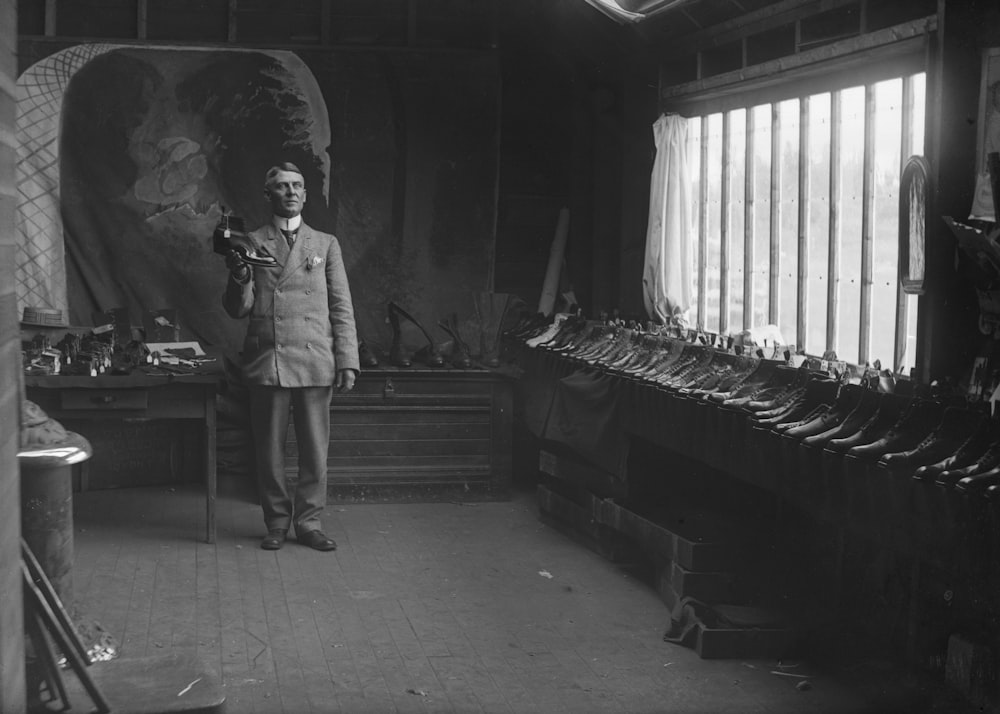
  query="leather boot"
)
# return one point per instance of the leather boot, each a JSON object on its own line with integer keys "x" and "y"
{"x": 890, "y": 409}
{"x": 967, "y": 453}
{"x": 398, "y": 355}
{"x": 919, "y": 420}
{"x": 366, "y": 357}
{"x": 427, "y": 354}
{"x": 460, "y": 356}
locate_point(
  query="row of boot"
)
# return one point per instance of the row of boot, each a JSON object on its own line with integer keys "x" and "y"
{"x": 916, "y": 469}
{"x": 456, "y": 353}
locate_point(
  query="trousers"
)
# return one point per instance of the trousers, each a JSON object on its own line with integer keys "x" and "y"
{"x": 309, "y": 408}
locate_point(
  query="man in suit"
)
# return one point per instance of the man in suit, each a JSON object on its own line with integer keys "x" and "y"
{"x": 301, "y": 343}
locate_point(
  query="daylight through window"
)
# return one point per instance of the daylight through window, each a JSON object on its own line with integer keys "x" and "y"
{"x": 797, "y": 219}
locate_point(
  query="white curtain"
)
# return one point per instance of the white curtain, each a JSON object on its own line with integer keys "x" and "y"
{"x": 666, "y": 277}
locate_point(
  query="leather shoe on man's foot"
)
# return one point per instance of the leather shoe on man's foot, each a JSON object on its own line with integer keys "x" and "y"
{"x": 274, "y": 539}
{"x": 317, "y": 540}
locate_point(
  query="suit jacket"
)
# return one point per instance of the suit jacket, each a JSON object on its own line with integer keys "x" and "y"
{"x": 301, "y": 328}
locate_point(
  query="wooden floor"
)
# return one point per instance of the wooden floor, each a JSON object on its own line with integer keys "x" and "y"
{"x": 424, "y": 608}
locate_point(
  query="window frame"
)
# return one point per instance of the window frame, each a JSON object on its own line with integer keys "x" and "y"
{"x": 861, "y": 62}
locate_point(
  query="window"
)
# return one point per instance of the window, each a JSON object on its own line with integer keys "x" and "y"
{"x": 797, "y": 218}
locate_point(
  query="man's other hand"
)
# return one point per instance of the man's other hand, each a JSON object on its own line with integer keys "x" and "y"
{"x": 345, "y": 379}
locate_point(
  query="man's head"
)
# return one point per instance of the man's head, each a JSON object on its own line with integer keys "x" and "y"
{"x": 285, "y": 189}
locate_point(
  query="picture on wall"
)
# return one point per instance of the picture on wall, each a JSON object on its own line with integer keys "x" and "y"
{"x": 988, "y": 140}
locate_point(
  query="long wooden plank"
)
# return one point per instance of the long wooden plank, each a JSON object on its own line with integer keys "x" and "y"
{"x": 289, "y": 679}
{"x": 434, "y": 448}
{"x": 405, "y": 432}
{"x": 376, "y": 416}
{"x": 308, "y": 632}
{"x": 234, "y": 639}
{"x": 403, "y": 464}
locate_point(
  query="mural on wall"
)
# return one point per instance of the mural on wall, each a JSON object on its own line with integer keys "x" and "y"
{"x": 154, "y": 142}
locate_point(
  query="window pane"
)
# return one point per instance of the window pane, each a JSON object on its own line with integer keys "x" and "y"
{"x": 694, "y": 157}
{"x": 789, "y": 228}
{"x": 885, "y": 209}
{"x": 713, "y": 221}
{"x": 737, "y": 202}
{"x": 852, "y": 148}
{"x": 819, "y": 220}
{"x": 762, "y": 212}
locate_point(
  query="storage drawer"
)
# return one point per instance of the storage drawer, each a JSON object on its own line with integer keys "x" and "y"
{"x": 104, "y": 399}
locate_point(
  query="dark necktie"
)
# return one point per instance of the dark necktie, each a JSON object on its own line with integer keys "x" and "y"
{"x": 289, "y": 236}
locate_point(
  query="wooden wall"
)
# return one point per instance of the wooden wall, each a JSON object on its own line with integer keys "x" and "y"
{"x": 12, "y": 690}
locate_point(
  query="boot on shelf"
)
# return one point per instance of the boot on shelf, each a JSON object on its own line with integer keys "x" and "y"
{"x": 366, "y": 356}
{"x": 397, "y": 354}
{"x": 460, "y": 355}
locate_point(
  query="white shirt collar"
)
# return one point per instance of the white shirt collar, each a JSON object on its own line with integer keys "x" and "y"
{"x": 287, "y": 224}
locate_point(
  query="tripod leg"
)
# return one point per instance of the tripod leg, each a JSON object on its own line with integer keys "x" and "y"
{"x": 52, "y": 598}
{"x": 64, "y": 641}
{"x": 47, "y": 657}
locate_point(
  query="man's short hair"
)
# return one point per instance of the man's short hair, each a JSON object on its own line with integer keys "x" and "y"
{"x": 283, "y": 166}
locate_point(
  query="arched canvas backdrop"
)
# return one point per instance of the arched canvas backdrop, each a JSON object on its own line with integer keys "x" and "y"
{"x": 130, "y": 153}
{"x": 134, "y": 153}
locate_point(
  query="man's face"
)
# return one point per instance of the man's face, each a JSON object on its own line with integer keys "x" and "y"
{"x": 287, "y": 194}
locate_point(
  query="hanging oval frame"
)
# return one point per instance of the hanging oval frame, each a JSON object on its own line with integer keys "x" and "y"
{"x": 914, "y": 197}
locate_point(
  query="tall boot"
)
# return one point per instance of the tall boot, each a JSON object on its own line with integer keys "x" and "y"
{"x": 428, "y": 354}
{"x": 460, "y": 356}
{"x": 397, "y": 353}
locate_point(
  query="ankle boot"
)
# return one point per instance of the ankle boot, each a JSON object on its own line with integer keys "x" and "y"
{"x": 397, "y": 353}
{"x": 427, "y": 354}
{"x": 460, "y": 356}
{"x": 366, "y": 356}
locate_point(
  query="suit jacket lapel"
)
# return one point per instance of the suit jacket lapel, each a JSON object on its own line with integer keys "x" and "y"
{"x": 277, "y": 246}
{"x": 295, "y": 257}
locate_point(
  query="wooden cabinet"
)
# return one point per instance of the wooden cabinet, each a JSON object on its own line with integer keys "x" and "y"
{"x": 418, "y": 434}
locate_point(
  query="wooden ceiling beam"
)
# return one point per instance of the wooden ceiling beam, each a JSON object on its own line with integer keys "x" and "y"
{"x": 766, "y": 18}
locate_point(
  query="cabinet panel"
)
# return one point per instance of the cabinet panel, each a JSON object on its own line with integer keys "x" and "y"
{"x": 427, "y": 434}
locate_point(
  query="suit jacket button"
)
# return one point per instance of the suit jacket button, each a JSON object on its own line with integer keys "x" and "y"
{"x": 278, "y": 347}
{"x": 278, "y": 318}
{"x": 308, "y": 346}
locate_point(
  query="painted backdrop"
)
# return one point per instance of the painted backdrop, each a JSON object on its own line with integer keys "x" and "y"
{"x": 399, "y": 152}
